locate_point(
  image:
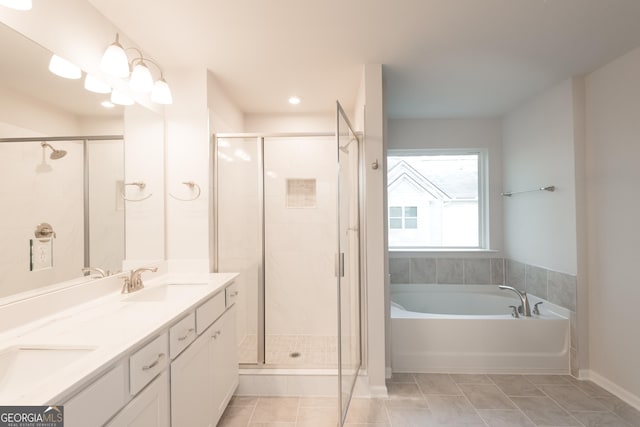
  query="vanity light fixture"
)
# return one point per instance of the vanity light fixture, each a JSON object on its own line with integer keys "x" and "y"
{"x": 121, "y": 98}
{"x": 95, "y": 85}
{"x": 161, "y": 94}
{"x": 63, "y": 68}
{"x": 114, "y": 60}
{"x": 294, "y": 100}
{"x": 107, "y": 104}
{"x": 116, "y": 63}
{"x": 16, "y": 4}
{"x": 141, "y": 80}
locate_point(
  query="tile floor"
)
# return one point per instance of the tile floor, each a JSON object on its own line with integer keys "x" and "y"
{"x": 300, "y": 351}
{"x": 451, "y": 400}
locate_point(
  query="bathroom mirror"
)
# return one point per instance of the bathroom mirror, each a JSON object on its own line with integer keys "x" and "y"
{"x": 75, "y": 184}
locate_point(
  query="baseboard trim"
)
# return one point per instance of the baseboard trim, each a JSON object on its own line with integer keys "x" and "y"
{"x": 611, "y": 387}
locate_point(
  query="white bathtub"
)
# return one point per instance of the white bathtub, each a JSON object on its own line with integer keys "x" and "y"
{"x": 469, "y": 328}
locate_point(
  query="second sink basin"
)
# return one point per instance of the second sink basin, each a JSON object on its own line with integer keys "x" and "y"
{"x": 23, "y": 367}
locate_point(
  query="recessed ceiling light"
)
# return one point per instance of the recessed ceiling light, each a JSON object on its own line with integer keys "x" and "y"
{"x": 107, "y": 104}
{"x": 294, "y": 100}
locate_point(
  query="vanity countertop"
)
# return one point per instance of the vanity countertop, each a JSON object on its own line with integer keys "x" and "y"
{"x": 107, "y": 327}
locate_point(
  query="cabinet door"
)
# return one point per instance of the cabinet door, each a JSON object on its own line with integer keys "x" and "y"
{"x": 224, "y": 353}
{"x": 150, "y": 408}
{"x": 192, "y": 385}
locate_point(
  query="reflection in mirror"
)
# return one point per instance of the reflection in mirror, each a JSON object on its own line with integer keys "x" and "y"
{"x": 71, "y": 183}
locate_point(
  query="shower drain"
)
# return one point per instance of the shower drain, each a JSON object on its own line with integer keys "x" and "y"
{"x": 294, "y": 354}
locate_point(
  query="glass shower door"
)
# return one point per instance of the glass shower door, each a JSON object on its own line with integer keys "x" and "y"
{"x": 348, "y": 263}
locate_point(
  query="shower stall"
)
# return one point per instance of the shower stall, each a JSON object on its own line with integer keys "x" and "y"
{"x": 287, "y": 216}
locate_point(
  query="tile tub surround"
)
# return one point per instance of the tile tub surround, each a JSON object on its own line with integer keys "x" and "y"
{"x": 452, "y": 271}
{"x": 555, "y": 287}
{"x": 424, "y": 400}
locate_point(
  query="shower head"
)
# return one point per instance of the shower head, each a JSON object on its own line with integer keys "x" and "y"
{"x": 345, "y": 148}
{"x": 55, "y": 154}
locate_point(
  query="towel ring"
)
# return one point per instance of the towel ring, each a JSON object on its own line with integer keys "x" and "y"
{"x": 193, "y": 187}
{"x": 141, "y": 186}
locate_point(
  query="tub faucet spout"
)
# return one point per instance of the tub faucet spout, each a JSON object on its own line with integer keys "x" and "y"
{"x": 524, "y": 309}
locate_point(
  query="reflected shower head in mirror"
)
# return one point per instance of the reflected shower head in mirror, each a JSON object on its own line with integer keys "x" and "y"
{"x": 345, "y": 148}
{"x": 55, "y": 154}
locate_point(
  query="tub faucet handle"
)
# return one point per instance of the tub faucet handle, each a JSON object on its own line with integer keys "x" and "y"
{"x": 536, "y": 310}
{"x": 514, "y": 311}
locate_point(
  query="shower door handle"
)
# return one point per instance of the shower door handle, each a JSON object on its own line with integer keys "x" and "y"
{"x": 340, "y": 264}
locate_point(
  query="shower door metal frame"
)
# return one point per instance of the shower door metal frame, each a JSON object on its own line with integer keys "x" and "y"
{"x": 342, "y": 411}
{"x": 85, "y": 174}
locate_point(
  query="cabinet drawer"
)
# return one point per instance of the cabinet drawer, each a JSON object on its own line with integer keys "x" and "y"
{"x": 148, "y": 362}
{"x": 94, "y": 405}
{"x": 208, "y": 312}
{"x": 231, "y": 294}
{"x": 181, "y": 335}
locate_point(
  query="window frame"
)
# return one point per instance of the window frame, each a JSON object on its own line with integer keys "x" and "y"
{"x": 483, "y": 196}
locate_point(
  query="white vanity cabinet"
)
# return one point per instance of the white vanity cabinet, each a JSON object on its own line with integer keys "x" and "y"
{"x": 150, "y": 408}
{"x": 208, "y": 369}
{"x": 225, "y": 362}
{"x": 181, "y": 375}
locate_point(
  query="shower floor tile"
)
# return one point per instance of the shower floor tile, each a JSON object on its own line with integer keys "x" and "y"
{"x": 301, "y": 351}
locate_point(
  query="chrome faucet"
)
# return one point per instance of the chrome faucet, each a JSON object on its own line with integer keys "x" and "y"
{"x": 102, "y": 273}
{"x": 524, "y": 309}
{"x": 134, "y": 282}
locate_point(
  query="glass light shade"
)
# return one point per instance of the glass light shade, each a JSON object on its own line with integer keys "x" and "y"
{"x": 93, "y": 84}
{"x": 17, "y": 4}
{"x": 141, "y": 79}
{"x": 120, "y": 98}
{"x": 107, "y": 104}
{"x": 161, "y": 93}
{"x": 63, "y": 68}
{"x": 115, "y": 62}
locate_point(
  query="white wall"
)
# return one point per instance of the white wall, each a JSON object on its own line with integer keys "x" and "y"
{"x": 23, "y": 116}
{"x": 144, "y": 162}
{"x": 459, "y": 133}
{"x": 370, "y": 118}
{"x": 187, "y": 133}
{"x": 224, "y": 115}
{"x": 613, "y": 126}
{"x": 321, "y": 122}
{"x": 538, "y": 150}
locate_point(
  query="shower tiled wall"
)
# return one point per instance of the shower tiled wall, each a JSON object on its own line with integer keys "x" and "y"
{"x": 555, "y": 287}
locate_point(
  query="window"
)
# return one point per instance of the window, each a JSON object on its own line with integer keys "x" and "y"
{"x": 436, "y": 199}
{"x": 403, "y": 217}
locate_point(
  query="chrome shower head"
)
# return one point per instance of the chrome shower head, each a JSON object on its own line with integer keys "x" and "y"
{"x": 55, "y": 154}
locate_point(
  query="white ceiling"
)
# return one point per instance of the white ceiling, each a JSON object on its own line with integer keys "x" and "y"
{"x": 442, "y": 58}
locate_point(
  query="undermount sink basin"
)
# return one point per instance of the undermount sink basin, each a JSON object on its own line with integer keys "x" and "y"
{"x": 22, "y": 368}
{"x": 156, "y": 293}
